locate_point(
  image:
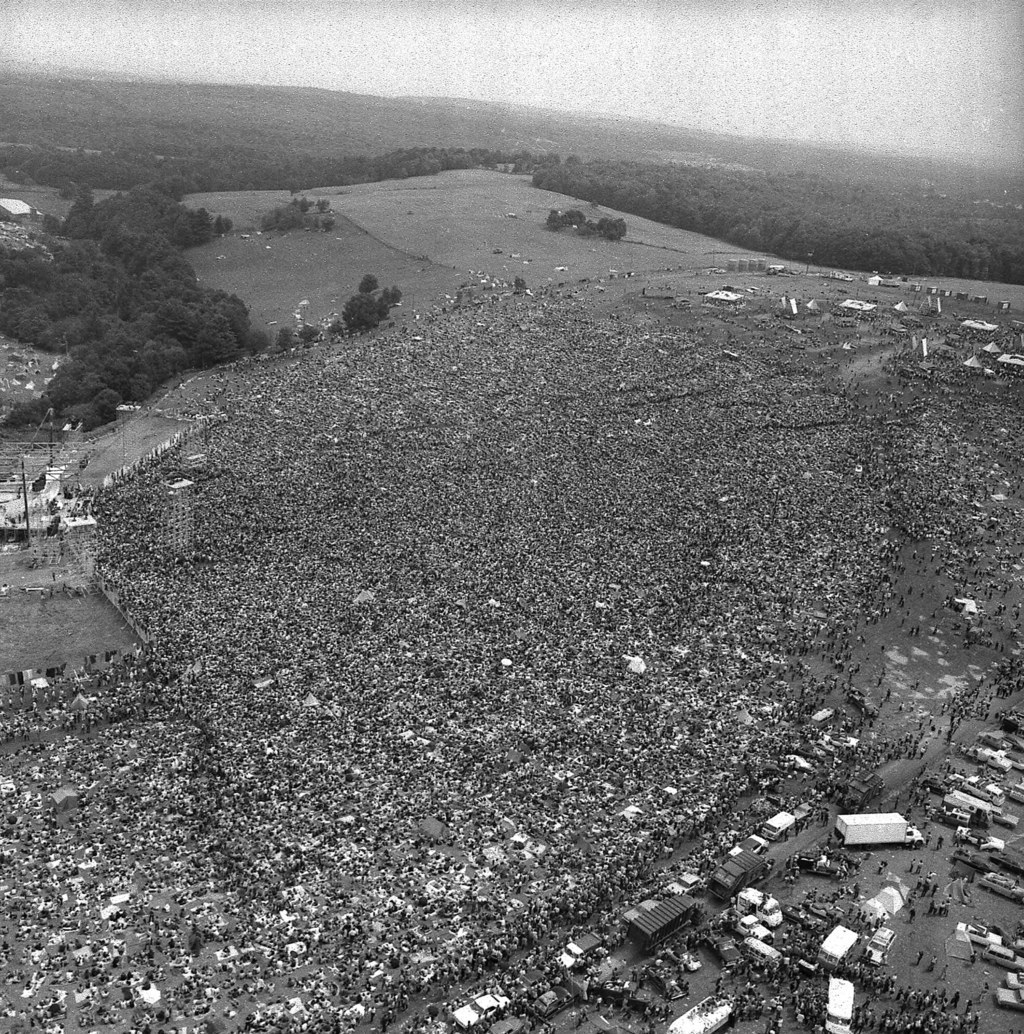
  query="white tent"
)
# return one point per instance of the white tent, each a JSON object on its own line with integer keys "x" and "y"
{"x": 855, "y": 305}
{"x": 979, "y": 325}
{"x": 813, "y": 306}
{"x": 973, "y": 363}
{"x": 993, "y": 349}
{"x": 874, "y": 281}
{"x": 901, "y": 307}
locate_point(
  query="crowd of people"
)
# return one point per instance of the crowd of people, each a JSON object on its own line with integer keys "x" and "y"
{"x": 485, "y": 619}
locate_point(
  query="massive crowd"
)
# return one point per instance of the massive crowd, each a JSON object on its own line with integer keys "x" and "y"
{"x": 486, "y": 619}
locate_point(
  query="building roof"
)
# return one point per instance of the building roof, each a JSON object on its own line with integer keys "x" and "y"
{"x": 14, "y": 207}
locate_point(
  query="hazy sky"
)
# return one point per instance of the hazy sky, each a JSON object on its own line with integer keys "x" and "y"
{"x": 940, "y": 76}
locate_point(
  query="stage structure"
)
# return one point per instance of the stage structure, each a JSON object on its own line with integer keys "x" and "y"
{"x": 178, "y": 519}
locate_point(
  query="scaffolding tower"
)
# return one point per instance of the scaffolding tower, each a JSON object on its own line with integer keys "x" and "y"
{"x": 178, "y": 526}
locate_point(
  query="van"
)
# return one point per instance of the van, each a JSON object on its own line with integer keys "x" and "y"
{"x": 760, "y": 953}
{"x": 878, "y": 947}
{"x": 836, "y": 948}
{"x": 778, "y": 826}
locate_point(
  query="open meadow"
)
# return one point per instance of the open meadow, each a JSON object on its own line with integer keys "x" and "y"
{"x": 428, "y": 236}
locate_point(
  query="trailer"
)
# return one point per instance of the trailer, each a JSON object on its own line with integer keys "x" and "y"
{"x": 877, "y": 830}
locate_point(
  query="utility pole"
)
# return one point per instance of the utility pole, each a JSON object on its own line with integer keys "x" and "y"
{"x": 24, "y": 489}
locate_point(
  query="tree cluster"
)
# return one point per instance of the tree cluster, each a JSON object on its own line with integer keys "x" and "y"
{"x": 368, "y": 306}
{"x": 120, "y": 304}
{"x": 911, "y": 229}
{"x": 299, "y": 214}
{"x": 610, "y": 229}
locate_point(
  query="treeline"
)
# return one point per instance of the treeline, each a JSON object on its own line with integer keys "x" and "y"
{"x": 120, "y": 304}
{"x": 610, "y": 229}
{"x": 243, "y": 169}
{"x": 912, "y": 231}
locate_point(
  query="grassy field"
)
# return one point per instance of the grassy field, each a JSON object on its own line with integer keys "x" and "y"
{"x": 459, "y": 221}
{"x": 273, "y": 273}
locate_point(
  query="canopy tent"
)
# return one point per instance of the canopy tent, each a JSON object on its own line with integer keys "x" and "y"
{"x": 901, "y": 307}
{"x": 993, "y": 349}
{"x": 974, "y": 363}
{"x": 979, "y": 325}
{"x": 855, "y": 305}
{"x": 1011, "y": 360}
{"x": 813, "y": 306}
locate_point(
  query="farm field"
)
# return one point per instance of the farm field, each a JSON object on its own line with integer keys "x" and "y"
{"x": 272, "y": 273}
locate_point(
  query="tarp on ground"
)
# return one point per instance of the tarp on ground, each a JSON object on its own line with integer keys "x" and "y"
{"x": 958, "y": 946}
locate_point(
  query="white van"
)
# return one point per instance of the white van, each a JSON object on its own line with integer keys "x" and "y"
{"x": 837, "y": 947}
{"x": 840, "y": 1006}
{"x": 776, "y": 827}
{"x": 760, "y": 953}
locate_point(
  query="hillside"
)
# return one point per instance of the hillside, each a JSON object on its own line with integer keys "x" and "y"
{"x": 204, "y": 121}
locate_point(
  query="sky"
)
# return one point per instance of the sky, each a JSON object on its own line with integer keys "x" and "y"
{"x": 937, "y": 77}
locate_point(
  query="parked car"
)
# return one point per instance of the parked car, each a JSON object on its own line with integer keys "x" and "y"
{"x": 1008, "y": 998}
{"x": 974, "y": 861}
{"x": 1000, "y": 884}
{"x": 936, "y": 783}
{"x": 552, "y": 1002}
{"x": 479, "y": 1011}
{"x": 1011, "y": 861}
{"x": 983, "y": 936}
{"x": 966, "y": 835}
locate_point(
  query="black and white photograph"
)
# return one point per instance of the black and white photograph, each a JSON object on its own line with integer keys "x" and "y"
{"x": 511, "y": 517}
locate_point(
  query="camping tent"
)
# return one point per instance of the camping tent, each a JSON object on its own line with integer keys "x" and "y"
{"x": 901, "y": 307}
{"x": 813, "y": 306}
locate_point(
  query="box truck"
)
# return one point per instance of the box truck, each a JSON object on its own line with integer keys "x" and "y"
{"x": 776, "y": 827}
{"x": 877, "y": 830}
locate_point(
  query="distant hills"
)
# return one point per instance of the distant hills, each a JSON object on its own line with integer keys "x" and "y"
{"x": 188, "y": 120}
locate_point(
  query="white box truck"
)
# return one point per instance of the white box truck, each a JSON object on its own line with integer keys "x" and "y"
{"x": 877, "y": 830}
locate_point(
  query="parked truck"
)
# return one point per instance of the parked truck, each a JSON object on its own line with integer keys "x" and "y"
{"x": 765, "y": 908}
{"x": 863, "y": 788}
{"x": 738, "y": 871}
{"x": 877, "y": 830}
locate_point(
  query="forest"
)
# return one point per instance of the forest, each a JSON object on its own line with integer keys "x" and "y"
{"x": 119, "y": 304}
{"x": 238, "y": 168}
{"x": 912, "y": 230}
